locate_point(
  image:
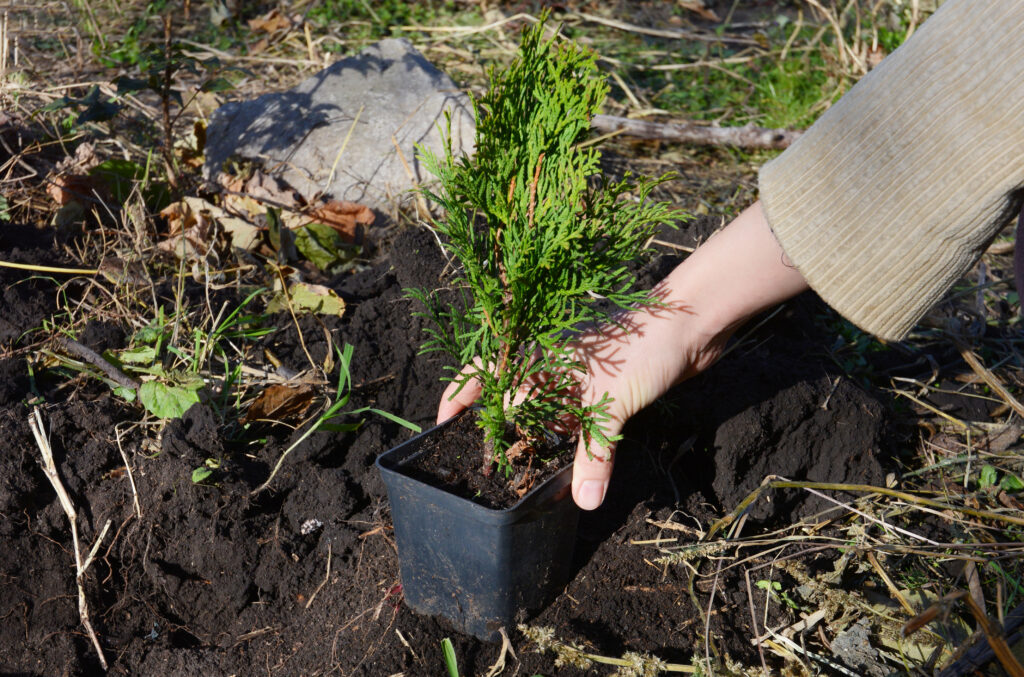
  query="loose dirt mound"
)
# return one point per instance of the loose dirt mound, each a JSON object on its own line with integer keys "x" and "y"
{"x": 303, "y": 579}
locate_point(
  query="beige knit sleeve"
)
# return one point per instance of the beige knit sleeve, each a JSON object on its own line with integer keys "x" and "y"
{"x": 898, "y": 188}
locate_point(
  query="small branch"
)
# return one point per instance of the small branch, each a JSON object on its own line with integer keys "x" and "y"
{"x": 165, "y": 104}
{"x": 421, "y": 202}
{"x": 545, "y": 640}
{"x": 774, "y": 482}
{"x": 994, "y": 635}
{"x": 671, "y": 33}
{"x": 993, "y": 631}
{"x": 344, "y": 145}
{"x": 35, "y": 423}
{"x": 128, "y": 468}
{"x": 989, "y": 378}
{"x": 327, "y": 577}
{"x": 893, "y": 590}
{"x": 92, "y": 357}
{"x": 748, "y": 136}
{"x": 533, "y": 190}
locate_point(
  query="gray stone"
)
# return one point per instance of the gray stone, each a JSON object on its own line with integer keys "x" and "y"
{"x": 298, "y": 134}
{"x": 853, "y": 647}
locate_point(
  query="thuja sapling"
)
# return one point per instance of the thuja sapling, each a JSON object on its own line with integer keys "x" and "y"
{"x": 542, "y": 243}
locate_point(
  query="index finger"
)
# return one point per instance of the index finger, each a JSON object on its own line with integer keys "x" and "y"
{"x": 454, "y": 400}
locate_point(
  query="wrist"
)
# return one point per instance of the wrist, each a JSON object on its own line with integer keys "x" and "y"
{"x": 739, "y": 272}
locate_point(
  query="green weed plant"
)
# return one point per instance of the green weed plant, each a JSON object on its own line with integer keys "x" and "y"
{"x": 543, "y": 244}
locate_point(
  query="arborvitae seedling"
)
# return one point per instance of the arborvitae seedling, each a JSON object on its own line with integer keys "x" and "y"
{"x": 542, "y": 243}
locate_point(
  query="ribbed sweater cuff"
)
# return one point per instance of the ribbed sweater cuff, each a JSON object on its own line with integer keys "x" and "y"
{"x": 898, "y": 188}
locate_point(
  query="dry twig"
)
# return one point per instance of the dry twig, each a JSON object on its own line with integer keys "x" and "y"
{"x": 35, "y": 423}
{"x": 747, "y": 136}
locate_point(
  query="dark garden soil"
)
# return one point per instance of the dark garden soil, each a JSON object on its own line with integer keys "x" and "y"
{"x": 444, "y": 462}
{"x": 303, "y": 579}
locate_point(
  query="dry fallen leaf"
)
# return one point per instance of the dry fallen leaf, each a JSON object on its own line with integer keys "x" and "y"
{"x": 273, "y": 189}
{"x": 517, "y": 449}
{"x": 700, "y": 8}
{"x": 82, "y": 162}
{"x": 280, "y": 403}
{"x": 874, "y": 57}
{"x": 1009, "y": 501}
{"x": 179, "y": 217}
{"x": 194, "y": 225}
{"x": 346, "y": 218}
{"x": 272, "y": 21}
{"x": 305, "y": 298}
{"x": 63, "y": 189}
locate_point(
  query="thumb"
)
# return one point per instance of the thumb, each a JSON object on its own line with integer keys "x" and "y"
{"x": 593, "y": 468}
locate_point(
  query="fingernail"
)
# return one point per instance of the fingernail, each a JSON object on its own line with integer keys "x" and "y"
{"x": 591, "y": 494}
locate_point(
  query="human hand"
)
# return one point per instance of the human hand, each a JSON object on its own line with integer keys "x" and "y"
{"x": 737, "y": 273}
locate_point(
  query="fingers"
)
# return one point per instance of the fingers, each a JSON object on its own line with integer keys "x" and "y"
{"x": 593, "y": 469}
{"x": 452, "y": 403}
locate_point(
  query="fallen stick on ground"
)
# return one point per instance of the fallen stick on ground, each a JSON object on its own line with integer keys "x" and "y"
{"x": 989, "y": 378}
{"x": 748, "y": 136}
{"x": 92, "y": 357}
{"x": 35, "y": 423}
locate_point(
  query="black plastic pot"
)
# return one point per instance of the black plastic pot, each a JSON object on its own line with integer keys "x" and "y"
{"x": 476, "y": 566}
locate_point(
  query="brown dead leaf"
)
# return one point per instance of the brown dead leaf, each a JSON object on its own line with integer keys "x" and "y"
{"x": 196, "y": 225}
{"x": 190, "y": 148}
{"x": 517, "y": 450}
{"x": 1009, "y": 501}
{"x": 273, "y": 189}
{"x": 231, "y": 182}
{"x": 65, "y": 188}
{"x": 700, "y": 7}
{"x": 280, "y": 403}
{"x": 82, "y": 162}
{"x": 524, "y": 481}
{"x": 179, "y": 217}
{"x": 348, "y": 218}
{"x": 1002, "y": 439}
{"x": 270, "y": 22}
{"x": 244, "y": 206}
{"x": 874, "y": 56}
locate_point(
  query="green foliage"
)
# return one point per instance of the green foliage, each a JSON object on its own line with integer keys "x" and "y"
{"x": 543, "y": 247}
{"x": 122, "y": 176}
{"x": 205, "y": 471}
{"x": 774, "y": 589}
{"x": 90, "y": 108}
{"x": 324, "y": 246}
{"x": 133, "y": 46}
{"x": 450, "y": 661}
{"x": 375, "y": 19}
{"x": 159, "y": 67}
{"x": 988, "y": 478}
{"x": 170, "y": 398}
{"x": 173, "y": 370}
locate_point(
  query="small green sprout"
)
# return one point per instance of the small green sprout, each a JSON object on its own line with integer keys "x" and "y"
{"x": 450, "y": 661}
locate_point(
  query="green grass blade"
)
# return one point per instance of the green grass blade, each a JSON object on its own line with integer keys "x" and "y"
{"x": 449, "y": 657}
